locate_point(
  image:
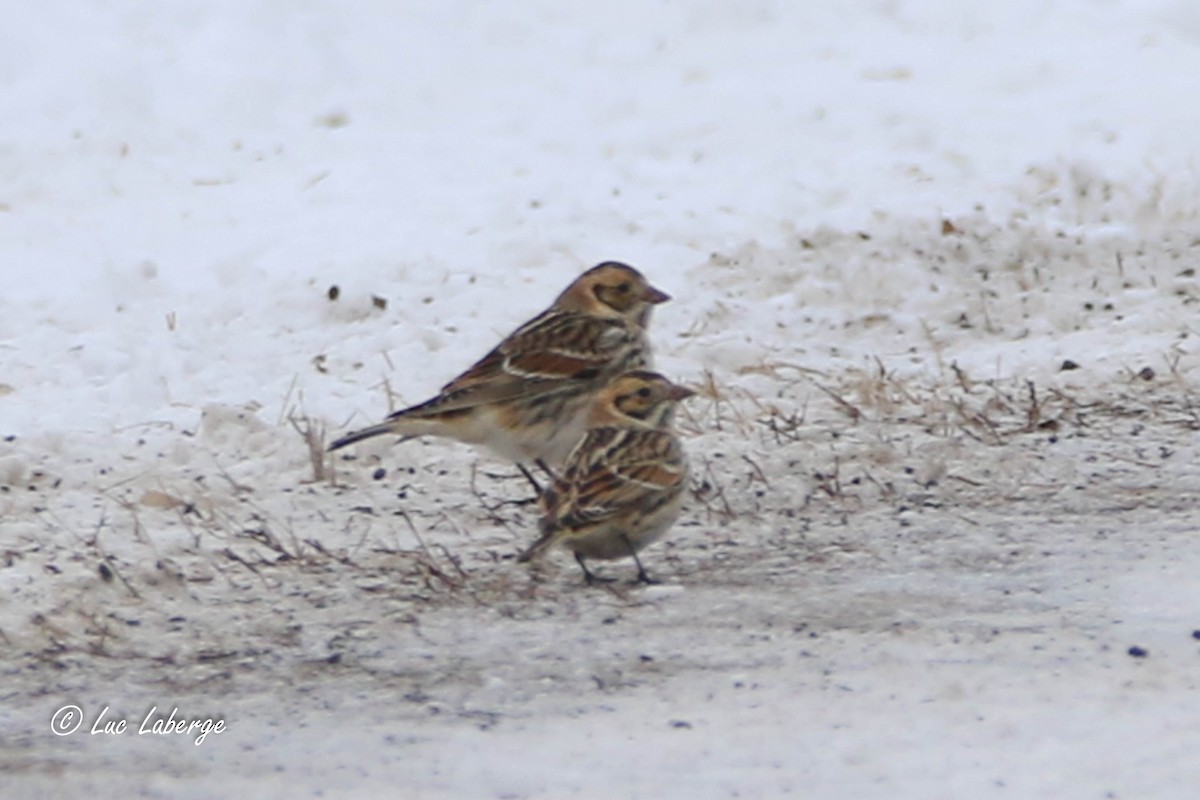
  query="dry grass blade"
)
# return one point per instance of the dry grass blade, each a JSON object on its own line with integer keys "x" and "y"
{"x": 313, "y": 434}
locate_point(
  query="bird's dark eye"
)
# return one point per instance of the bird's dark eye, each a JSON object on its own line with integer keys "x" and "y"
{"x": 644, "y": 392}
{"x": 624, "y": 288}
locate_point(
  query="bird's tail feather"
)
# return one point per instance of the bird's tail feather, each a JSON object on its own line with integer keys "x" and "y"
{"x": 365, "y": 433}
{"x": 549, "y": 535}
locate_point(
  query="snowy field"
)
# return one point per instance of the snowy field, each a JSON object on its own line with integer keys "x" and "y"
{"x": 934, "y": 268}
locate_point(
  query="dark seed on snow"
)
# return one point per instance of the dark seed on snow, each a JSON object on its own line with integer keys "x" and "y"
{"x": 1138, "y": 652}
{"x": 379, "y": 473}
{"x": 1068, "y": 365}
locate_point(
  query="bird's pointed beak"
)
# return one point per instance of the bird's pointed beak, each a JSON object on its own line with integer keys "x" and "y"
{"x": 680, "y": 392}
{"x": 655, "y": 296}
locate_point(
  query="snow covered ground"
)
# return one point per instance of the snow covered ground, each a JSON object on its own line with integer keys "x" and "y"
{"x": 934, "y": 268}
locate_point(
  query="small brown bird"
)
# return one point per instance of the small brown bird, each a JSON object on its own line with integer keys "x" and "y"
{"x": 622, "y": 487}
{"x": 527, "y": 399}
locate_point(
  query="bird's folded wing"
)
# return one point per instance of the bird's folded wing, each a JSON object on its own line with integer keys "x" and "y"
{"x": 646, "y": 468}
{"x": 552, "y": 353}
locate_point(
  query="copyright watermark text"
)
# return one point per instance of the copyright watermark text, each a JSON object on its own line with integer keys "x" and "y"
{"x": 70, "y": 718}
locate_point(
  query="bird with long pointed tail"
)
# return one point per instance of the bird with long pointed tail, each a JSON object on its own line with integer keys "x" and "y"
{"x": 622, "y": 487}
{"x": 527, "y": 400}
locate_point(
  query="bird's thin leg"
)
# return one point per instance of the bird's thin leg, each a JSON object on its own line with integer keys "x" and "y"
{"x": 537, "y": 487}
{"x": 642, "y": 577}
{"x": 588, "y": 576}
{"x": 544, "y": 467}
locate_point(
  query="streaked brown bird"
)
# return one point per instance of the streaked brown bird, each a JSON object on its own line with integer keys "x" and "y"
{"x": 528, "y": 399}
{"x": 622, "y": 487}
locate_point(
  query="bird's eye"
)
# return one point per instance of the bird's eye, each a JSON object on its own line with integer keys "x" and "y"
{"x": 644, "y": 392}
{"x": 624, "y": 288}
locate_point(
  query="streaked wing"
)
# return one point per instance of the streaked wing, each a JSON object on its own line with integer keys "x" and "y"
{"x": 638, "y": 470}
{"x": 556, "y": 351}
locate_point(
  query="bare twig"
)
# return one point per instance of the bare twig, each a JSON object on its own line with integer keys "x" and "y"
{"x": 313, "y": 434}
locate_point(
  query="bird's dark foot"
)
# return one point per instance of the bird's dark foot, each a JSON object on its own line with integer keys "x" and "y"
{"x": 590, "y": 577}
{"x": 642, "y": 577}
